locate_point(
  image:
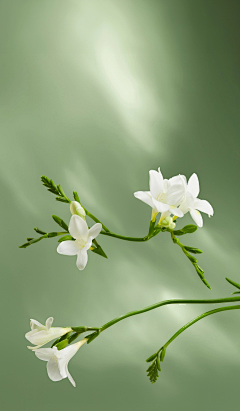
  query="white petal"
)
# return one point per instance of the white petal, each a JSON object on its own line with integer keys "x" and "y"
{"x": 156, "y": 183}
{"x": 53, "y": 370}
{"x": 204, "y": 206}
{"x": 161, "y": 207}
{"x": 176, "y": 211}
{"x": 69, "y": 247}
{"x": 78, "y": 227}
{"x": 95, "y": 230}
{"x": 196, "y": 216}
{"x": 87, "y": 245}
{"x": 49, "y": 323}
{"x": 70, "y": 377}
{"x": 44, "y": 354}
{"x": 159, "y": 172}
{"x": 144, "y": 196}
{"x": 193, "y": 185}
{"x": 82, "y": 259}
{"x": 35, "y": 347}
{"x": 35, "y": 324}
{"x": 175, "y": 194}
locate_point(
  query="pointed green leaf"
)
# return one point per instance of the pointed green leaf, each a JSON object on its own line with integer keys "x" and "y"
{"x": 60, "y": 222}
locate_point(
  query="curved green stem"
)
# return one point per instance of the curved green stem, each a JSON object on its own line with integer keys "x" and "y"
{"x": 122, "y": 237}
{"x": 192, "y": 259}
{"x": 200, "y": 317}
{"x": 168, "y": 302}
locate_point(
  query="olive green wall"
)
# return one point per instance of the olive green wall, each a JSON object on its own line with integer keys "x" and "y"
{"x": 94, "y": 94}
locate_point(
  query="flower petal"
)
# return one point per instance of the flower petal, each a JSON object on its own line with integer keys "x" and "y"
{"x": 78, "y": 227}
{"x": 44, "y": 354}
{"x": 53, "y": 370}
{"x": 193, "y": 185}
{"x": 161, "y": 207}
{"x": 69, "y": 247}
{"x": 49, "y": 323}
{"x": 95, "y": 230}
{"x": 204, "y": 206}
{"x": 155, "y": 183}
{"x": 82, "y": 259}
{"x": 34, "y": 324}
{"x": 176, "y": 211}
{"x": 175, "y": 194}
{"x": 87, "y": 245}
{"x": 144, "y": 196}
{"x": 70, "y": 377}
{"x": 196, "y": 216}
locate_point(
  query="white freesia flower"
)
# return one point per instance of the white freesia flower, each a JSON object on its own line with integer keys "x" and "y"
{"x": 164, "y": 195}
{"x": 57, "y": 366}
{"x": 41, "y": 334}
{"x": 193, "y": 204}
{"x": 83, "y": 236}
{"x": 76, "y": 208}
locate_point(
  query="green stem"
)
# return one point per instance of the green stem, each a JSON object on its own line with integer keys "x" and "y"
{"x": 76, "y": 198}
{"x": 122, "y": 237}
{"x": 168, "y": 302}
{"x": 200, "y": 317}
{"x": 192, "y": 259}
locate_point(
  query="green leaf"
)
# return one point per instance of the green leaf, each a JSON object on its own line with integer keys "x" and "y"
{"x": 76, "y": 197}
{"x": 62, "y": 344}
{"x": 99, "y": 250}
{"x": 92, "y": 336}
{"x": 158, "y": 364}
{"x": 60, "y": 222}
{"x": 55, "y": 342}
{"x": 73, "y": 337}
{"x": 65, "y": 238}
{"x": 153, "y": 371}
{"x": 236, "y": 292}
{"x": 200, "y": 272}
{"x": 62, "y": 199}
{"x": 188, "y": 229}
{"x": 39, "y": 231}
{"x": 193, "y": 250}
{"x": 25, "y": 245}
{"x": 151, "y": 227}
{"x": 162, "y": 354}
{"x": 53, "y": 234}
{"x": 152, "y": 357}
{"x": 233, "y": 283}
{"x": 80, "y": 329}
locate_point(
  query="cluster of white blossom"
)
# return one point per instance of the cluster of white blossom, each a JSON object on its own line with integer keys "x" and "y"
{"x": 57, "y": 360}
{"x": 174, "y": 197}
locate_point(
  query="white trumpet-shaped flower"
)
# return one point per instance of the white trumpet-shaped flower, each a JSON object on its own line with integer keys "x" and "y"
{"x": 164, "y": 195}
{"x": 193, "y": 204}
{"x": 57, "y": 366}
{"x": 76, "y": 208}
{"x": 83, "y": 237}
{"x": 41, "y": 334}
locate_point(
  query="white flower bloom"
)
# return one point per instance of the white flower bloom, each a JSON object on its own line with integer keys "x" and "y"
{"x": 76, "y": 208}
{"x": 41, "y": 334}
{"x": 164, "y": 195}
{"x": 79, "y": 230}
{"x": 193, "y": 204}
{"x": 57, "y": 366}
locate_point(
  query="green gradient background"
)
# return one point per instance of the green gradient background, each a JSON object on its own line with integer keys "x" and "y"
{"x": 93, "y": 95}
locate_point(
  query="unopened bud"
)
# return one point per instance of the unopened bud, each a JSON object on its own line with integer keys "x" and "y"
{"x": 76, "y": 208}
{"x": 168, "y": 223}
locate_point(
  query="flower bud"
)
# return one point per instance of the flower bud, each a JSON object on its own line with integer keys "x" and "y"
{"x": 76, "y": 208}
{"x": 168, "y": 223}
